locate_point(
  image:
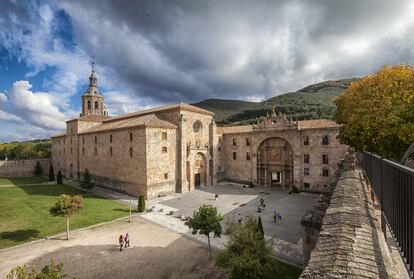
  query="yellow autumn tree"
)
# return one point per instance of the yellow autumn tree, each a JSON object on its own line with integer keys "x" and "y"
{"x": 377, "y": 113}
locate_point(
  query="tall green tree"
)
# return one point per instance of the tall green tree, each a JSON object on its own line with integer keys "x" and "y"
{"x": 204, "y": 221}
{"x": 260, "y": 227}
{"x": 51, "y": 173}
{"x": 377, "y": 113}
{"x": 247, "y": 254}
{"x": 59, "y": 179}
{"x": 38, "y": 169}
{"x": 86, "y": 182}
{"x": 141, "y": 203}
{"x": 66, "y": 206}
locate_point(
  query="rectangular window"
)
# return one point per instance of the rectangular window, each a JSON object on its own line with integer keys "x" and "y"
{"x": 234, "y": 142}
{"x": 71, "y": 150}
{"x": 166, "y": 175}
{"x": 306, "y": 185}
{"x": 131, "y": 152}
{"x": 110, "y": 151}
{"x": 59, "y": 153}
{"x": 325, "y": 140}
{"x": 247, "y": 141}
{"x": 234, "y": 156}
{"x": 70, "y": 140}
{"x": 219, "y": 169}
{"x": 325, "y": 159}
{"x": 306, "y": 158}
{"x": 96, "y": 151}
{"x": 306, "y": 140}
{"x": 96, "y": 139}
{"x": 219, "y": 148}
{"x": 248, "y": 156}
{"x": 164, "y": 136}
{"x": 306, "y": 171}
{"x": 83, "y": 150}
{"x": 325, "y": 172}
{"x": 164, "y": 149}
{"x": 130, "y": 136}
{"x": 110, "y": 138}
{"x": 83, "y": 140}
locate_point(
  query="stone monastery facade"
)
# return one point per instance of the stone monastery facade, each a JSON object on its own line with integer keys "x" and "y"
{"x": 176, "y": 148}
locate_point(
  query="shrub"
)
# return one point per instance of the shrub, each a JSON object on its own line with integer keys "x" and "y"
{"x": 51, "y": 173}
{"x": 38, "y": 169}
{"x": 295, "y": 189}
{"x": 260, "y": 227}
{"x": 59, "y": 179}
{"x": 141, "y": 203}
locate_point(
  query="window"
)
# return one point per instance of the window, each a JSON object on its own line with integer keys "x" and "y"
{"x": 110, "y": 151}
{"x": 166, "y": 175}
{"x": 71, "y": 150}
{"x": 306, "y": 185}
{"x": 219, "y": 148}
{"x": 70, "y": 140}
{"x": 83, "y": 150}
{"x": 197, "y": 126}
{"x": 247, "y": 141}
{"x": 306, "y": 171}
{"x": 59, "y": 153}
{"x": 325, "y": 185}
{"x": 306, "y": 140}
{"x": 248, "y": 156}
{"x": 325, "y": 140}
{"x": 110, "y": 138}
{"x": 96, "y": 105}
{"x": 164, "y": 136}
{"x": 130, "y": 136}
{"x": 96, "y": 139}
{"x": 164, "y": 149}
{"x": 325, "y": 159}
{"x": 219, "y": 168}
{"x": 325, "y": 172}
{"x": 83, "y": 140}
{"x": 89, "y": 105}
{"x": 96, "y": 151}
{"x": 234, "y": 156}
{"x": 234, "y": 142}
{"x": 130, "y": 152}
{"x": 306, "y": 158}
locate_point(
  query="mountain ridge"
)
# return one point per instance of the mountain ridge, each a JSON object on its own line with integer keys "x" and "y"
{"x": 314, "y": 101}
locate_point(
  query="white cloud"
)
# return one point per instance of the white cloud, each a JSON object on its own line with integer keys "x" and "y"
{"x": 3, "y": 98}
{"x": 120, "y": 103}
{"x": 37, "y": 108}
{"x": 5, "y": 116}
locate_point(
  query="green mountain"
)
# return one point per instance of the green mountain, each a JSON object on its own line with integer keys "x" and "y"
{"x": 311, "y": 102}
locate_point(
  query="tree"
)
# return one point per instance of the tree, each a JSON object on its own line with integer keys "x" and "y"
{"x": 141, "y": 203}
{"x": 260, "y": 227}
{"x": 66, "y": 206}
{"x": 50, "y": 271}
{"x": 59, "y": 179}
{"x": 247, "y": 254}
{"x": 205, "y": 221}
{"x": 377, "y": 113}
{"x": 51, "y": 173}
{"x": 86, "y": 182}
{"x": 38, "y": 169}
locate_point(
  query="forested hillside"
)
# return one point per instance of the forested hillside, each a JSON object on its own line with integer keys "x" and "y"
{"x": 25, "y": 150}
{"x": 312, "y": 102}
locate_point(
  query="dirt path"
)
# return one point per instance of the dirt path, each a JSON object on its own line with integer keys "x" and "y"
{"x": 155, "y": 252}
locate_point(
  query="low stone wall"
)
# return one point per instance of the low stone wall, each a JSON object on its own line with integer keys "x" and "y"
{"x": 350, "y": 243}
{"x": 17, "y": 168}
{"x": 118, "y": 186}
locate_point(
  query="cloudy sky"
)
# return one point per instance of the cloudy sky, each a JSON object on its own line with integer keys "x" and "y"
{"x": 150, "y": 53}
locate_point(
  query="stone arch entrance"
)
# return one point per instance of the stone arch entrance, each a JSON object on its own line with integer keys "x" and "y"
{"x": 199, "y": 170}
{"x": 275, "y": 163}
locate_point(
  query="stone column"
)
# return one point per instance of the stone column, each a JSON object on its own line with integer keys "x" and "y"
{"x": 182, "y": 183}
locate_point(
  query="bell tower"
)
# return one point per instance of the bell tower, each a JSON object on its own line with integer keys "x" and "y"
{"x": 92, "y": 100}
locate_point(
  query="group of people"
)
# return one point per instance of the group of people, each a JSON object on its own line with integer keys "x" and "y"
{"x": 277, "y": 217}
{"x": 123, "y": 241}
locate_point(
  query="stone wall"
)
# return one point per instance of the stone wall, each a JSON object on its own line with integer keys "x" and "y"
{"x": 350, "y": 243}
{"x": 17, "y": 168}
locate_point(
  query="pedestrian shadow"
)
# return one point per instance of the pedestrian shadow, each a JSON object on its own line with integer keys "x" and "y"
{"x": 19, "y": 235}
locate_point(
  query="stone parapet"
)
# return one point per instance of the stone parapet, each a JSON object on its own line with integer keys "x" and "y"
{"x": 350, "y": 243}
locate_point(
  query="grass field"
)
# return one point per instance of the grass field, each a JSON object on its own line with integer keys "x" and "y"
{"x": 23, "y": 180}
{"x": 24, "y": 212}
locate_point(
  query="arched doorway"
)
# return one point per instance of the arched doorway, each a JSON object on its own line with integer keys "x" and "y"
{"x": 275, "y": 163}
{"x": 199, "y": 170}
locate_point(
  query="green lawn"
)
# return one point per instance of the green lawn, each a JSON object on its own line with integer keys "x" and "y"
{"x": 23, "y": 180}
{"x": 24, "y": 212}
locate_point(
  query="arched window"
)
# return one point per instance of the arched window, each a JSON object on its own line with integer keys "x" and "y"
{"x": 89, "y": 105}
{"x": 96, "y": 105}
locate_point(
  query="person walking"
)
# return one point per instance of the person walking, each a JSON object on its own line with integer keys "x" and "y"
{"x": 279, "y": 217}
{"x": 121, "y": 242}
{"x": 275, "y": 216}
{"x": 126, "y": 239}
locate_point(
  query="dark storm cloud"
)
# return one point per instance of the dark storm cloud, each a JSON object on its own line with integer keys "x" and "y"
{"x": 169, "y": 51}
